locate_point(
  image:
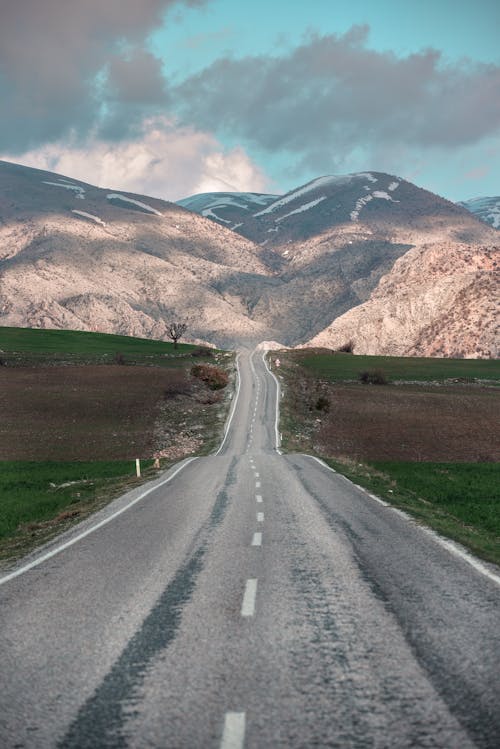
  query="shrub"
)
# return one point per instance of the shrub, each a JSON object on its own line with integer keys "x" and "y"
{"x": 373, "y": 377}
{"x": 203, "y": 351}
{"x": 119, "y": 358}
{"x": 323, "y": 404}
{"x": 177, "y": 384}
{"x": 346, "y": 348}
{"x": 215, "y": 377}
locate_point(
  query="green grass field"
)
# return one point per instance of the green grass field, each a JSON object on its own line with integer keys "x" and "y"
{"x": 41, "y": 498}
{"x": 39, "y": 345}
{"x": 336, "y": 366}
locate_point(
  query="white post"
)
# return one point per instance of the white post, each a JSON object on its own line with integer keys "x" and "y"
{"x": 138, "y": 467}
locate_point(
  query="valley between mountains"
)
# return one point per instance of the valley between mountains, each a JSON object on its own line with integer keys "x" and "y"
{"x": 367, "y": 259}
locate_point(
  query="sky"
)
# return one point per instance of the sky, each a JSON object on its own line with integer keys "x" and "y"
{"x": 175, "y": 97}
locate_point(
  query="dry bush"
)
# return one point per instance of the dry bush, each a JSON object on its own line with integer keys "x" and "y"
{"x": 203, "y": 351}
{"x": 373, "y": 377}
{"x": 215, "y": 377}
{"x": 119, "y": 358}
{"x": 176, "y": 384}
{"x": 323, "y": 404}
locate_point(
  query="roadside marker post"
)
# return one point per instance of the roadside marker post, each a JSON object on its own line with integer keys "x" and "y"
{"x": 138, "y": 467}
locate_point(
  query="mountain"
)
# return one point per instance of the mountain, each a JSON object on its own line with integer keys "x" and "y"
{"x": 381, "y": 202}
{"x": 438, "y": 300}
{"x": 332, "y": 240}
{"x": 229, "y": 208}
{"x": 487, "y": 209}
{"x": 76, "y": 256}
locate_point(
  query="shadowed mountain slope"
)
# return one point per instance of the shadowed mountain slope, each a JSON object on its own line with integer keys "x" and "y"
{"x": 290, "y": 267}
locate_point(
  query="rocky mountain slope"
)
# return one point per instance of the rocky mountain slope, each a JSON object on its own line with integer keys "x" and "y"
{"x": 439, "y": 299}
{"x": 338, "y": 236}
{"x": 252, "y": 267}
{"x": 487, "y": 209}
{"x": 76, "y": 256}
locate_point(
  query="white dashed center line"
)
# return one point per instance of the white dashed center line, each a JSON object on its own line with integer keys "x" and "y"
{"x": 257, "y": 484}
{"x": 257, "y": 539}
{"x": 248, "y": 605}
{"x": 260, "y": 517}
{"x": 258, "y": 497}
{"x": 233, "y": 736}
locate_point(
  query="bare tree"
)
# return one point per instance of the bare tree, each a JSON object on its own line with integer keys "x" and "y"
{"x": 175, "y": 331}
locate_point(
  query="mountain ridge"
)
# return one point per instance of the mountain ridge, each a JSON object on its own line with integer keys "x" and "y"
{"x": 74, "y": 255}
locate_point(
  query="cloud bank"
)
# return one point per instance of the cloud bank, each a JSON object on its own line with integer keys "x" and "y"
{"x": 162, "y": 160}
{"x": 80, "y": 90}
{"x": 333, "y": 95}
{"x": 67, "y": 67}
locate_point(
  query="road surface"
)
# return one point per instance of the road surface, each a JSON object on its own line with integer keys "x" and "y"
{"x": 249, "y": 599}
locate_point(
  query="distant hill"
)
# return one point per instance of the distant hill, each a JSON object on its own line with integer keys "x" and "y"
{"x": 487, "y": 209}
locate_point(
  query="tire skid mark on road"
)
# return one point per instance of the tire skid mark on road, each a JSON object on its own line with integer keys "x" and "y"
{"x": 101, "y": 720}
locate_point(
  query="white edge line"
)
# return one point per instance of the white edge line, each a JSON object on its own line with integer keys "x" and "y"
{"x": 233, "y": 735}
{"x": 95, "y": 527}
{"x": 445, "y": 543}
{"x": 105, "y": 521}
{"x": 233, "y": 408}
{"x": 278, "y": 396}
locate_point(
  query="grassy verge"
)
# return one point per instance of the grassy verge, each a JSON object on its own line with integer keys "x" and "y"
{"x": 78, "y": 408}
{"x": 336, "y": 367}
{"x": 459, "y": 500}
{"x": 427, "y": 442}
{"x": 40, "y": 499}
{"x": 31, "y": 346}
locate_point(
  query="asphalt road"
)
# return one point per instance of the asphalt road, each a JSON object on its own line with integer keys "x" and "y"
{"x": 250, "y": 599}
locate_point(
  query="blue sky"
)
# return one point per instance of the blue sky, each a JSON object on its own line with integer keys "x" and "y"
{"x": 171, "y": 97}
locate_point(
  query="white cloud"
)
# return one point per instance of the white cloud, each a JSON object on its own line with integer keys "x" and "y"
{"x": 163, "y": 161}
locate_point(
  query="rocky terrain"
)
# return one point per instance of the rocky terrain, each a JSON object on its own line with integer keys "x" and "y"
{"x": 438, "y": 300}
{"x": 366, "y": 257}
{"x": 75, "y": 256}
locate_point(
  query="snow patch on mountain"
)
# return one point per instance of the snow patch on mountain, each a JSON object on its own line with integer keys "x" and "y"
{"x": 302, "y": 208}
{"x": 360, "y": 202}
{"x": 144, "y": 206}
{"x": 337, "y": 180}
{"x": 314, "y": 185}
{"x": 79, "y": 191}
{"x": 208, "y": 213}
{"x": 90, "y": 216}
{"x": 244, "y": 200}
{"x": 376, "y": 194}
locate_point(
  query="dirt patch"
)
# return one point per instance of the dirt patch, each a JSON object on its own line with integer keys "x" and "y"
{"x": 101, "y": 412}
{"x": 388, "y": 422}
